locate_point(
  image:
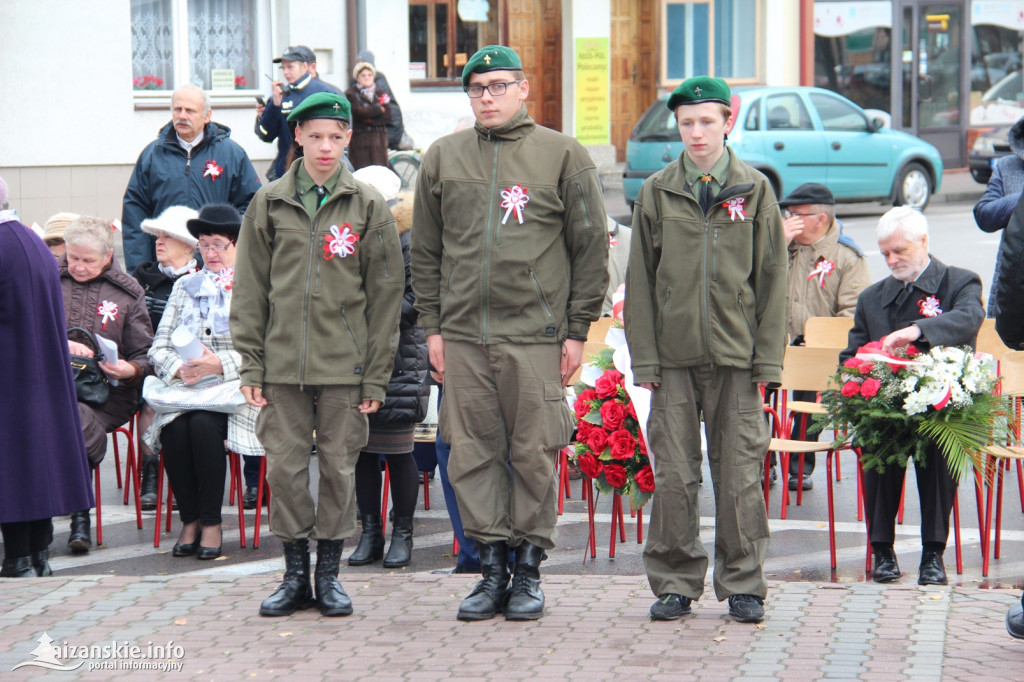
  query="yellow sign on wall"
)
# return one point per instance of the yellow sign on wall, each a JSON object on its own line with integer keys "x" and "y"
{"x": 592, "y": 91}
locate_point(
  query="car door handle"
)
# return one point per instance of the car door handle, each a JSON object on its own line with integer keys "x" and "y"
{"x": 666, "y": 157}
{"x": 836, "y": 146}
{"x": 779, "y": 146}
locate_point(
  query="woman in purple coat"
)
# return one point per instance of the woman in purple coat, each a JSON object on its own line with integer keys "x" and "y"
{"x": 42, "y": 454}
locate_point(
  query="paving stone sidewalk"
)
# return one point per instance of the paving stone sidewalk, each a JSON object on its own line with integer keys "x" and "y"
{"x": 597, "y": 628}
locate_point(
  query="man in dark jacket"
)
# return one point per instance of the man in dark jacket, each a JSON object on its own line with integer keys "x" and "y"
{"x": 926, "y": 303}
{"x": 993, "y": 210}
{"x": 298, "y": 64}
{"x": 1008, "y": 286}
{"x": 164, "y": 174}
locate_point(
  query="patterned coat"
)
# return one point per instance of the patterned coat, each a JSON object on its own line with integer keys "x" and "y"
{"x": 191, "y": 305}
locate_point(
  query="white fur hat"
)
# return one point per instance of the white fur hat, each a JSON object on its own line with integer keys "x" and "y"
{"x": 173, "y": 221}
{"x": 382, "y": 179}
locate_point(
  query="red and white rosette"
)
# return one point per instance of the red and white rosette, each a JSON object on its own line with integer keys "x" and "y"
{"x": 225, "y": 279}
{"x": 514, "y": 200}
{"x": 822, "y": 269}
{"x": 340, "y": 242}
{"x": 212, "y": 170}
{"x": 107, "y": 311}
{"x": 929, "y": 307}
{"x": 736, "y": 208}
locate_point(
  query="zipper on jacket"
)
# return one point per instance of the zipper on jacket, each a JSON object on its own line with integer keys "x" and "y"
{"x": 383, "y": 253}
{"x": 305, "y": 304}
{"x": 188, "y": 161}
{"x": 349, "y": 329}
{"x": 540, "y": 293}
{"x": 484, "y": 283}
{"x": 705, "y": 299}
{"x": 661, "y": 314}
{"x": 714, "y": 256}
{"x": 583, "y": 204}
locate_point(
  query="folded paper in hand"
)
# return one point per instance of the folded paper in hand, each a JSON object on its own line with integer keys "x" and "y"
{"x": 186, "y": 343}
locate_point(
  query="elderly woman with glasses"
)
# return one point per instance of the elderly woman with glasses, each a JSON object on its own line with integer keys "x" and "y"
{"x": 175, "y": 257}
{"x": 102, "y": 298}
{"x": 193, "y": 440}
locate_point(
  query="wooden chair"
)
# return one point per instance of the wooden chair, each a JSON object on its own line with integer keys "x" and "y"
{"x": 827, "y": 332}
{"x": 989, "y": 341}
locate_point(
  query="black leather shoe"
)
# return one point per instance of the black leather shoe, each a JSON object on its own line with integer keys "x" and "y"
{"x": 808, "y": 483}
{"x": 931, "y": 572}
{"x": 17, "y": 568}
{"x": 41, "y": 563}
{"x": 79, "y": 541}
{"x": 295, "y": 591}
{"x": 147, "y": 490}
{"x": 488, "y": 596}
{"x": 400, "y": 551}
{"x": 886, "y": 568}
{"x": 1015, "y": 621}
{"x": 331, "y": 598}
{"x": 525, "y": 598}
{"x": 249, "y": 498}
{"x": 208, "y": 553}
{"x": 184, "y": 548}
{"x": 670, "y": 607}
{"x": 371, "y": 541}
{"x": 746, "y": 608}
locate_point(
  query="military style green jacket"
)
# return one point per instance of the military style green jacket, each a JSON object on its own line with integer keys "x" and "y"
{"x": 316, "y": 301}
{"x": 509, "y": 242}
{"x": 706, "y": 290}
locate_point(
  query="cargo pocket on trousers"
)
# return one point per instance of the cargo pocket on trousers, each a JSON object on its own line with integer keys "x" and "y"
{"x": 558, "y": 422}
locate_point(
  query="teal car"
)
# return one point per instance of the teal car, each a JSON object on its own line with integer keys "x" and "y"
{"x": 798, "y": 135}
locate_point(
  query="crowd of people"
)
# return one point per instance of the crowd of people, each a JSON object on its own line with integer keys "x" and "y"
{"x": 326, "y": 297}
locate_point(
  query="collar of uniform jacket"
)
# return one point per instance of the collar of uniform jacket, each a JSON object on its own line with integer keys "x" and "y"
{"x": 518, "y": 127}
{"x": 928, "y": 281}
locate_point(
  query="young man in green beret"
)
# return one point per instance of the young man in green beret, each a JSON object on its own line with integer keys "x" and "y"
{"x": 317, "y": 294}
{"x": 705, "y": 317}
{"x": 509, "y": 255}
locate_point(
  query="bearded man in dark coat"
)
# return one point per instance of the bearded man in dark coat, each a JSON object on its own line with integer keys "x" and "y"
{"x": 42, "y": 453}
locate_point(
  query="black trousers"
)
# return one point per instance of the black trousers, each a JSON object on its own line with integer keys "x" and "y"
{"x": 936, "y": 490}
{"x": 404, "y": 483}
{"x": 196, "y": 463}
{"x": 22, "y": 538}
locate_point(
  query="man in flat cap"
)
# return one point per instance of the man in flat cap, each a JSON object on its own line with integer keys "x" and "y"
{"x": 318, "y": 292}
{"x": 826, "y": 274}
{"x": 298, "y": 64}
{"x": 705, "y": 317}
{"x": 509, "y": 269}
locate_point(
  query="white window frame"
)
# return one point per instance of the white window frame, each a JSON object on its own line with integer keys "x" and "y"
{"x": 671, "y": 83}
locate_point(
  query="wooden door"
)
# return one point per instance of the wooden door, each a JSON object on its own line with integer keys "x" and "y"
{"x": 535, "y": 32}
{"x": 633, "y": 65}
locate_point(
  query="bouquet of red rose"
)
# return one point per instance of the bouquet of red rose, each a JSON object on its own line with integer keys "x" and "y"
{"x": 609, "y": 446}
{"x": 898, "y": 405}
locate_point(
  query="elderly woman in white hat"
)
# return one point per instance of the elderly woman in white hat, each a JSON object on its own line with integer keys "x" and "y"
{"x": 175, "y": 257}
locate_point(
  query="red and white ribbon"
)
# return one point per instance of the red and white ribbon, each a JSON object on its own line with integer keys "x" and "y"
{"x": 107, "y": 310}
{"x": 942, "y": 395}
{"x": 929, "y": 307}
{"x": 212, "y": 170}
{"x": 340, "y": 242}
{"x": 736, "y": 208}
{"x": 824, "y": 267}
{"x": 514, "y": 200}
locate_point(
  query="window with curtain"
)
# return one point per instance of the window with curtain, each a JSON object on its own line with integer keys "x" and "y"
{"x": 710, "y": 37}
{"x": 210, "y": 43}
{"x": 443, "y": 34}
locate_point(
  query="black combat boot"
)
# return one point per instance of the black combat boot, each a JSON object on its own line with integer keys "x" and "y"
{"x": 41, "y": 563}
{"x": 371, "y": 542}
{"x": 295, "y": 591}
{"x": 526, "y": 600}
{"x": 400, "y": 550}
{"x": 331, "y": 598}
{"x": 79, "y": 541}
{"x": 147, "y": 489}
{"x": 488, "y": 597}
{"x": 17, "y": 568}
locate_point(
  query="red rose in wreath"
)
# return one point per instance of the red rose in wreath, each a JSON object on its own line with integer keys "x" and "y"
{"x": 615, "y": 474}
{"x": 597, "y": 440}
{"x": 623, "y": 444}
{"x": 583, "y": 430}
{"x": 869, "y": 389}
{"x": 613, "y": 414}
{"x": 590, "y": 466}
{"x": 607, "y": 385}
{"x": 582, "y": 405}
{"x": 645, "y": 479}
{"x": 850, "y": 389}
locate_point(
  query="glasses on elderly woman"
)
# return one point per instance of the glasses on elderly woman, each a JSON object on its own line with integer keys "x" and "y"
{"x": 215, "y": 247}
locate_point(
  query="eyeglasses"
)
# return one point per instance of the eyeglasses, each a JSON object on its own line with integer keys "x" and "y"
{"x": 496, "y": 89}
{"x": 790, "y": 214}
{"x": 215, "y": 247}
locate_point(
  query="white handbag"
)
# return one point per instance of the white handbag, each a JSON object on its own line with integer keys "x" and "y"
{"x": 210, "y": 394}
